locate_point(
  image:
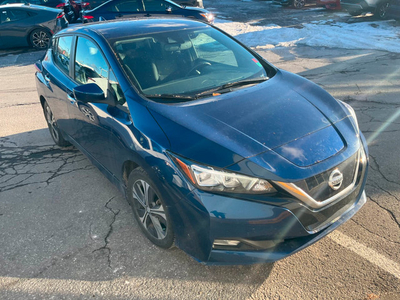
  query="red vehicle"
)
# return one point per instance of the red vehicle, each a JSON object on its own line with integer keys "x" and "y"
{"x": 76, "y": 7}
{"x": 329, "y": 4}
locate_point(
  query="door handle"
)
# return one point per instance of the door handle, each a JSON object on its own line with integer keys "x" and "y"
{"x": 71, "y": 99}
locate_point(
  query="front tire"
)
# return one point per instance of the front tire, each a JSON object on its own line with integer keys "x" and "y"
{"x": 40, "y": 38}
{"x": 149, "y": 209}
{"x": 381, "y": 10}
{"x": 53, "y": 128}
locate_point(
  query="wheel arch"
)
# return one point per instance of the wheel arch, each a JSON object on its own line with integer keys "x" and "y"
{"x": 42, "y": 101}
{"x": 127, "y": 167}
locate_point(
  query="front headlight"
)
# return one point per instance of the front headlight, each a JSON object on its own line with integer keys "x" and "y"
{"x": 213, "y": 180}
{"x": 353, "y": 115}
{"x": 209, "y": 16}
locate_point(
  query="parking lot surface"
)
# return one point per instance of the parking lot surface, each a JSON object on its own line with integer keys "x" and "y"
{"x": 67, "y": 233}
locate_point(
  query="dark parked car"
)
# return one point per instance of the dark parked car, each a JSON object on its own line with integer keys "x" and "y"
{"x": 91, "y": 4}
{"x": 198, "y": 3}
{"x": 390, "y": 9}
{"x": 29, "y": 25}
{"x": 356, "y": 7}
{"x": 393, "y": 10}
{"x": 115, "y": 9}
{"x": 233, "y": 159}
{"x": 70, "y": 7}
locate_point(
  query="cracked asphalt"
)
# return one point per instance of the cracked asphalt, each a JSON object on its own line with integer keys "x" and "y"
{"x": 67, "y": 233}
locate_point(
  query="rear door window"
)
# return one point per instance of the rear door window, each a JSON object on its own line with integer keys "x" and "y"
{"x": 12, "y": 15}
{"x": 155, "y": 5}
{"x": 62, "y": 52}
{"x": 3, "y": 16}
{"x": 127, "y": 6}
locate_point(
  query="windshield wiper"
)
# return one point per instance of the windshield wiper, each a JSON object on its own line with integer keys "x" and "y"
{"x": 229, "y": 85}
{"x": 168, "y": 96}
{"x": 226, "y": 86}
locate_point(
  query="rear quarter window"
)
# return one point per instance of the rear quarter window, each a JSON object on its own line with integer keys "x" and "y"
{"x": 62, "y": 52}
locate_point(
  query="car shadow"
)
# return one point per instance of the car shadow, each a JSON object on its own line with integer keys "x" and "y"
{"x": 19, "y": 57}
{"x": 66, "y": 228}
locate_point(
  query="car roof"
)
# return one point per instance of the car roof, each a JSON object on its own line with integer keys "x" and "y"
{"x": 119, "y": 29}
{"x": 29, "y": 6}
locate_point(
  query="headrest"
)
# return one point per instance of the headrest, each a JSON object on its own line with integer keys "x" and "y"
{"x": 177, "y": 46}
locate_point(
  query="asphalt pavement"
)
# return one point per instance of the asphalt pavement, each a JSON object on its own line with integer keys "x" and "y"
{"x": 67, "y": 233}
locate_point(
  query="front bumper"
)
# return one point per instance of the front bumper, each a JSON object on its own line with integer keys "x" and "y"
{"x": 285, "y": 247}
{"x": 258, "y": 228}
{"x": 266, "y": 233}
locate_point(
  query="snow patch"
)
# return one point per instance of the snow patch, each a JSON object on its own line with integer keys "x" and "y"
{"x": 380, "y": 35}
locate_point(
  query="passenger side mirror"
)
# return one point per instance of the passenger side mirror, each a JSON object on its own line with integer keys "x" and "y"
{"x": 91, "y": 92}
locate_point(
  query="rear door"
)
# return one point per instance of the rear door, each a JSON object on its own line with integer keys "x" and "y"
{"x": 120, "y": 9}
{"x": 57, "y": 74}
{"x": 13, "y": 27}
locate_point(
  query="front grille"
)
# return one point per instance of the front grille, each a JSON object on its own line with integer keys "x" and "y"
{"x": 316, "y": 220}
{"x": 318, "y": 187}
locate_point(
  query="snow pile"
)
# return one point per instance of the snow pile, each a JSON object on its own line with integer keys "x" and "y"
{"x": 367, "y": 35}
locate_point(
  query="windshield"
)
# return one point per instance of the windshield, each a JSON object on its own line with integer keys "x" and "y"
{"x": 187, "y": 62}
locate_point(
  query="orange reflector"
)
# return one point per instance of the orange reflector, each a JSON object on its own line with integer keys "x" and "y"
{"x": 216, "y": 94}
{"x": 290, "y": 188}
{"x": 185, "y": 169}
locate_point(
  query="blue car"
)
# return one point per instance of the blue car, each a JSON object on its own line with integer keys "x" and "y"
{"x": 218, "y": 152}
{"x": 116, "y": 9}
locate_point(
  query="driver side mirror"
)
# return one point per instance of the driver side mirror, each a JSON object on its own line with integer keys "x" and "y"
{"x": 91, "y": 92}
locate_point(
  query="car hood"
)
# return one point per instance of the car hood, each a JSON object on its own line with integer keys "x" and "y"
{"x": 280, "y": 114}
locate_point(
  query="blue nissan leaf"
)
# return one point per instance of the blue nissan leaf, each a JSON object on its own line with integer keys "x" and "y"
{"x": 218, "y": 152}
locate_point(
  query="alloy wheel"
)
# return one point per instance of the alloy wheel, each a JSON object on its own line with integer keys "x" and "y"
{"x": 299, "y": 3}
{"x": 40, "y": 39}
{"x": 382, "y": 10}
{"x": 150, "y": 209}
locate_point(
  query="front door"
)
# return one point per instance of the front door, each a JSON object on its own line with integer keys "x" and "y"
{"x": 96, "y": 125}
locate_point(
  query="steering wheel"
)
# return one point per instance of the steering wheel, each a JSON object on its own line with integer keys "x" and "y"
{"x": 198, "y": 66}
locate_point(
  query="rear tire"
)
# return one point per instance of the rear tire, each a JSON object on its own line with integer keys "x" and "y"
{"x": 299, "y": 3}
{"x": 149, "y": 209}
{"x": 55, "y": 132}
{"x": 40, "y": 38}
